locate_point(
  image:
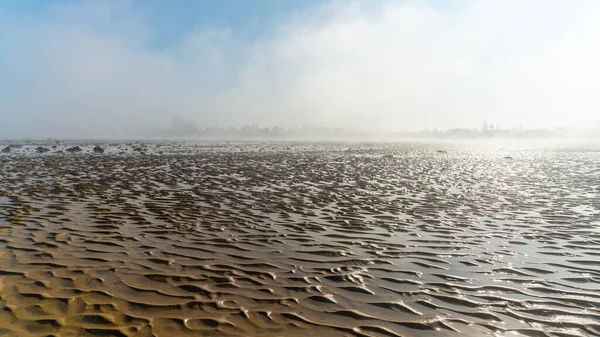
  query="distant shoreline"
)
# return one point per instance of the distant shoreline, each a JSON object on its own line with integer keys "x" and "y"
{"x": 138, "y": 138}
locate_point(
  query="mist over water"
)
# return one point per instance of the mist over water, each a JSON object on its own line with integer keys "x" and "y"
{"x": 299, "y": 168}
{"x": 95, "y": 69}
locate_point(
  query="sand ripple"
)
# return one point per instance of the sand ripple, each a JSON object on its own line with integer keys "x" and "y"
{"x": 248, "y": 239}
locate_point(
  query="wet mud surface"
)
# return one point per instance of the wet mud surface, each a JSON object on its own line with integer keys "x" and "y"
{"x": 278, "y": 239}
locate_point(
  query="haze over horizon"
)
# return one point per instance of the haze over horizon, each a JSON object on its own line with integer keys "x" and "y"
{"x": 97, "y": 68}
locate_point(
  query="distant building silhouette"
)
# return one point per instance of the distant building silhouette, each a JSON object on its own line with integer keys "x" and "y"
{"x": 485, "y": 127}
{"x": 182, "y": 128}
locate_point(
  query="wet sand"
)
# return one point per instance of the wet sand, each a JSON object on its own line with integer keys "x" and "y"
{"x": 278, "y": 239}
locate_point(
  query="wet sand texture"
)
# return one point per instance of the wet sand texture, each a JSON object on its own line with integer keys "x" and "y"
{"x": 299, "y": 240}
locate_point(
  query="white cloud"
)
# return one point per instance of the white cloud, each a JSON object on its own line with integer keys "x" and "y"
{"x": 393, "y": 65}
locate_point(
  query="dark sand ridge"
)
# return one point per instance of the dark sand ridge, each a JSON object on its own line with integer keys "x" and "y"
{"x": 216, "y": 239}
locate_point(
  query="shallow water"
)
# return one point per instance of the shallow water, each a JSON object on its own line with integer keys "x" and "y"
{"x": 283, "y": 239}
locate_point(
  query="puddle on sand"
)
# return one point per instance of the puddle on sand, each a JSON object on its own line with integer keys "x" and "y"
{"x": 281, "y": 239}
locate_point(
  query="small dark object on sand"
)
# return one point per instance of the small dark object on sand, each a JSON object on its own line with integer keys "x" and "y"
{"x": 41, "y": 149}
{"x": 388, "y": 156}
{"x": 6, "y": 149}
{"x": 98, "y": 149}
{"x": 509, "y": 157}
{"x": 74, "y": 149}
{"x": 442, "y": 151}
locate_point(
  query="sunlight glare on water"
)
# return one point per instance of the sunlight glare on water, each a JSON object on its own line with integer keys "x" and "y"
{"x": 292, "y": 239}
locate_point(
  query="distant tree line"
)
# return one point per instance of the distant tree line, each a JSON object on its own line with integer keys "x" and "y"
{"x": 182, "y": 128}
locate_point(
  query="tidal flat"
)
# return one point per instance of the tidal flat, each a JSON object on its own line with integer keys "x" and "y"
{"x": 199, "y": 238}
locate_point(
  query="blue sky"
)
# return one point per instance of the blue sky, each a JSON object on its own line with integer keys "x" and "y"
{"x": 94, "y": 68}
{"x": 171, "y": 20}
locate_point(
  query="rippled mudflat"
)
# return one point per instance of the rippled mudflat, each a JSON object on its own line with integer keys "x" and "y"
{"x": 280, "y": 239}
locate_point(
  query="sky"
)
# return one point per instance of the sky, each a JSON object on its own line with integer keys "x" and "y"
{"x": 105, "y": 68}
